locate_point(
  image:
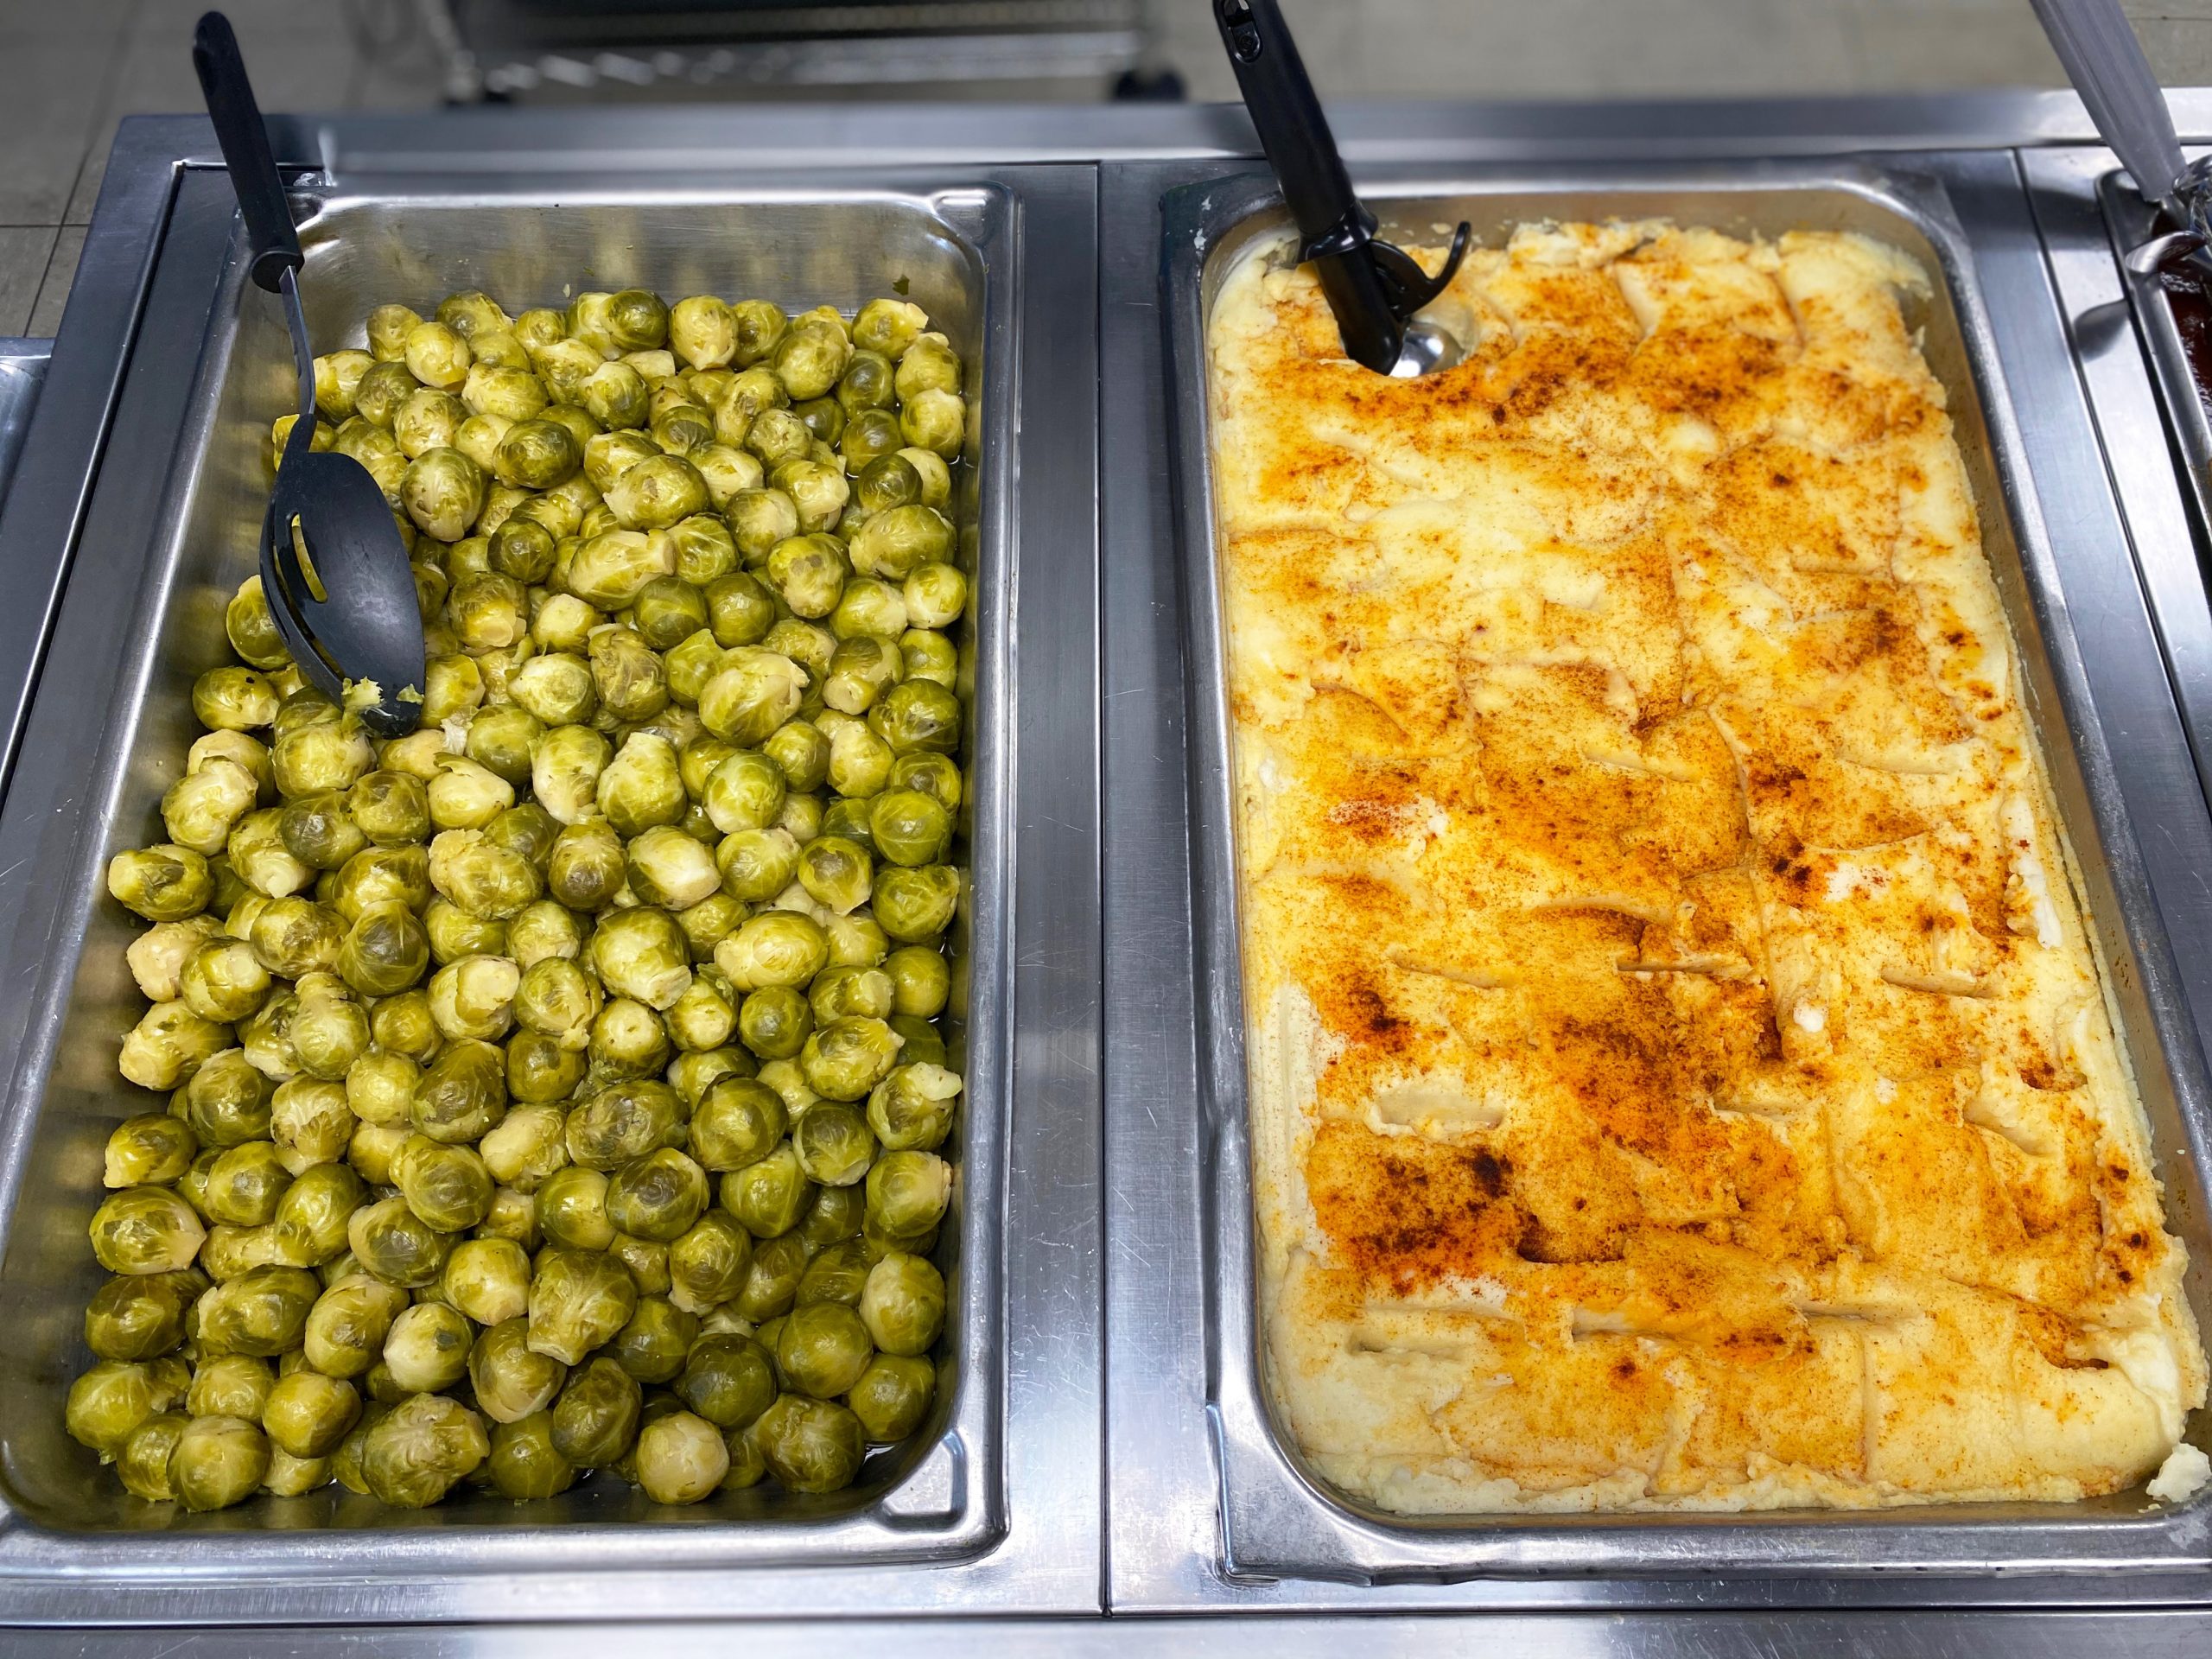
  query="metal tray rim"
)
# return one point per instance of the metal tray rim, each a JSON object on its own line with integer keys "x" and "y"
{"x": 1277, "y": 1518}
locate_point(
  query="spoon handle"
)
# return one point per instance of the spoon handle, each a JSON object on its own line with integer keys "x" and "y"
{"x": 2097, "y": 44}
{"x": 244, "y": 138}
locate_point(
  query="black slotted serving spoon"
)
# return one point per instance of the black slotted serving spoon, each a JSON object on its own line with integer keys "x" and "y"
{"x": 1373, "y": 288}
{"x": 333, "y": 569}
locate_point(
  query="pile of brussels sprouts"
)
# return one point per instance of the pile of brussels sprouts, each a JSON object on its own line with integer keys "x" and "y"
{"x": 556, "y": 1087}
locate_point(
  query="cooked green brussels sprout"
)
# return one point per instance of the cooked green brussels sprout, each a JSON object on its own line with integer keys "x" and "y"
{"x": 578, "y": 1300}
{"x": 596, "y": 1414}
{"x": 728, "y": 1380}
{"x": 659, "y": 1196}
{"x": 626, "y": 1120}
{"x": 110, "y": 1402}
{"x": 913, "y": 1107}
{"x": 262, "y": 1311}
{"x": 427, "y": 1349}
{"x": 143, "y": 1463}
{"x": 914, "y": 905}
{"x": 768, "y": 1195}
{"x": 151, "y": 1150}
{"x": 757, "y": 865}
{"x": 771, "y": 1283}
{"x": 230, "y": 1385}
{"x": 418, "y": 1450}
{"x": 681, "y": 1458}
{"x": 244, "y": 1185}
{"x": 384, "y": 951}
{"x": 838, "y": 1272}
{"x": 217, "y": 1462}
{"x": 903, "y": 1303}
{"x": 809, "y": 1446}
{"x": 392, "y": 1242}
{"x": 144, "y": 1230}
{"x": 462, "y": 1093}
{"x": 846, "y": 1058}
{"x": 893, "y": 1396}
{"x": 778, "y": 947}
{"x": 572, "y": 1208}
{"x": 307, "y": 1413}
{"x": 822, "y": 1349}
{"x": 754, "y": 692}
{"x": 670, "y": 869}
{"x": 654, "y": 494}
{"x": 523, "y": 1463}
{"x": 775, "y": 1022}
{"x": 907, "y": 1192}
{"x": 142, "y": 1316}
{"x": 651, "y": 1347}
{"x": 163, "y": 884}
{"x": 447, "y": 1186}
{"x": 346, "y": 1327}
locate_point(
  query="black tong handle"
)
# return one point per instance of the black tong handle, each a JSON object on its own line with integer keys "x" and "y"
{"x": 1372, "y": 287}
{"x": 244, "y": 138}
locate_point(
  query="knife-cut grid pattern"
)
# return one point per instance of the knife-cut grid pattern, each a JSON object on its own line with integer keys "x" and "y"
{"x": 1681, "y": 1077}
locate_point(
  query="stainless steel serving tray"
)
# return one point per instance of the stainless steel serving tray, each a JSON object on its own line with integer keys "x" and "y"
{"x": 1278, "y": 1521}
{"x": 139, "y": 622}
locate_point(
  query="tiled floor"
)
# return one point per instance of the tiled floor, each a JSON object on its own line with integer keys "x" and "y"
{"x": 70, "y": 70}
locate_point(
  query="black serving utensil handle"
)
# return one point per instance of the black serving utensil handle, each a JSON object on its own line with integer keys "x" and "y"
{"x": 244, "y": 138}
{"x": 1372, "y": 287}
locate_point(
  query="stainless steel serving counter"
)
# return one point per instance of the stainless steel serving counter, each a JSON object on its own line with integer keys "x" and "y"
{"x": 1112, "y": 1499}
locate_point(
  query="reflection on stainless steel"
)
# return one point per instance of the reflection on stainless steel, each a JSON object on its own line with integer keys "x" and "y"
{"x": 951, "y": 1519}
{"x": 22, "y": 371}
{"x": 1426, "y": 348}
{"x": 1278, "y": 1520}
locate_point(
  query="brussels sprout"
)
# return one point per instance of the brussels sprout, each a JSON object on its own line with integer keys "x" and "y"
{"x": 903, "y": 1305}
{"x": 860, "y": 761}
{"x": 466, "y": 796}
{"x": 776, "y": 435}
{"x": 658, "y": 1195}
{"x": 384, "y": 951}
{"x": 819, "y": 491}
{"x": 755, "y": 327}
{"x": 507, "y": 394}
{"x": 936, "y": 420}
{"x": 108, "y": 1404}
{"x": 915, "y": 905}
{"x": 382, "y": 389}
{"x": 163, "y": 884}
{"x": 809, "y": 1446}
{"x": 702, "y": 332}
{"x": 263, "y": 1312}
{"x": 346, "y": 1327}
{"x": 513, "y": 1216}
{"x": 578, "y": 1300}
{"x": 291, "y": 1476}
{"x": 157, "y": 956}
{"x": 442, "y": 492}
{"x": 681, "y": 1458}
{"x": 418, "y": 1450}
{"x": 217, "y": 1462}
{"x": 390, "y": 808}
{"x": 754, "y": 691}
{"x": 898, "y": 540}
{"x": 707, "y": 922}
{"x": 780, "y": 947}
{"x": 728, "y": 473}
{"x": 141, "y": 1316}
{"x": 380, "y": 1086}
{"x": 436, "y": 355}
{"x": 372, "y": 1151}
{"x": 337, "y": 378}
{"x": 143, "y": 1463}
{"x": 835, "y": 873}
{"x": 635, "y": 319}
{"x": 870, "y": 609}
{"x": 624, "y": 1119}
{"x": 572, "y": 1209}
{"x": 768, "y": 1195}
{"x": 307, "y": 1413}
{"x": 426, "y": 419}
{"x": 912, "y": 1109}
{"x": 402, "y": 1023}
{"x": 760, "y": 520}
{"x": 476, "y": 875}
{"x": 703, "y": 1017}
{"x": 628, "y": 1040}
{"x": 822, "y": 1349}
{"x": 728, "y": 1380}
{"x": 887, "y": 328}
{"x": 151, "y": 1150}
{"x": 809, "y": 360}
{"x": 861, "y": 670}
{"x": 789, "y": 1084}
{"x": 771, "y": 1282}
{"x": 595, "y": 1416}
{"x": 847, "y": 819}
{"x": 512, "y": 1382}
{"x": 557, "y": 998}
{"x": 841, "y": 991}
{"x": 866, "y": 384}
{"x": 651, "y": 1347}
{"x": 607, "y": 455}
{"x": 145, "y": 1229}
{"x": 446, "y": 1186}
{"x": 756, "y": 865}
{"x": 846, "y": 1058}
{"x": 470, "y": 312}
{"x": 870, "y": 436}
{"x": 462, "y": 1093}
{"x": 201, "y": 808}
{"x": 893, "y": 1396}
{"x": 544, "y": 931}
{"x": 474, "y": 997}
{"x": 245, "y": 1184}
{"x": 227, "y": 1100}
{"x": 775, "y": 1023}
{"x": 230, "y": 1385}
{"x": 708, "y": 1265}
{"x": 654, "y": 494}
{"x": 452, "y": 687}
{"x": 907, "y": 1192}
{"x": 396, "y": 1244}
{"x": 808, "y": 572}
{"x": 523, "y": 1463}
{"x": 427, "y": 1347}
{"x": 329, "y": 1031}
{"x": 737, "y": 1121}
{"x": 669, "y": 868}
{"x": 838, "y": 1272}
{"x": 909, "y": 827}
